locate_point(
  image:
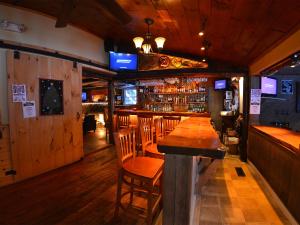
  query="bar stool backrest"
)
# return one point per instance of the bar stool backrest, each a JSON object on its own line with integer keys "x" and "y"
{"x": 142, "y": 119}
{"x": 146, "y": 132}
{"x": 123, "y": 121}
{"x": 125, "y": 145}
{"x": 170, "y": 122}
{"x": 159, "y": 129}
{"x": 145, "y": 120}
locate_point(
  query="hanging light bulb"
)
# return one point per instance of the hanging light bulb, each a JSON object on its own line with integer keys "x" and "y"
{"x": 146, "y": 48}
{"x": 138, "y": 41}
{"x": 160, "y": 42}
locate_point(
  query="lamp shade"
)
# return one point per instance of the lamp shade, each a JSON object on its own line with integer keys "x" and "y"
{"x": 138, "y": 41}
{"x": 146, "y": 48}
{"x": 160, "y": 42}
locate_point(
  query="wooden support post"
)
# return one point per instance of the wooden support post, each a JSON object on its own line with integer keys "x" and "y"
{"x": 245, "y": 126}
{"x": 177, "y": 194}
{"x": 111, "y": 97}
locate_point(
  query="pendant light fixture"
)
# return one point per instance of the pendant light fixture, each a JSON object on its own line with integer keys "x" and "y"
{"x": 144, "y": 45}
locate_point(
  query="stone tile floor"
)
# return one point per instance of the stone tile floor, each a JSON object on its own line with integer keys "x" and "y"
{"x": 228, "y": 199}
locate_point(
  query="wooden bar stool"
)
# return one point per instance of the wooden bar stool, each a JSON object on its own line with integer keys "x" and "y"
{"x": 148, "y": 147}
{"x": 123, "y": 121}
{"x": 170, "y": 122}
{"x": 142, "y": 119}
{"x": 142, "y": 175}
{"x": 159, "y": 129}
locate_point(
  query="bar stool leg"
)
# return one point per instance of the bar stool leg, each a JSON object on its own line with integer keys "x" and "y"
{"x": 119, "y": 192}
{"x": 149, "y": 208}
{"x": 131, "y": 191}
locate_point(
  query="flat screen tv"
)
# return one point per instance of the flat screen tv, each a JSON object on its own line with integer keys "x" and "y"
{"x": 220, "y": 84}
{"x": 268, "y": 86}
{"x": 123, "y": 61}
{"x": 84, "y": 96}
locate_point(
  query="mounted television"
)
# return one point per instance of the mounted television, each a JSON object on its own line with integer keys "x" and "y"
{"x": 221, "y": 84}
{"x": 84, "y": 96}
{"x": 123, "y": 61}
{"x": 268, "y": 86}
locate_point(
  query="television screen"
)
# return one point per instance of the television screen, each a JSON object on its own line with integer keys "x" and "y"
{"x": 130, "y": 96}
{"x": 268, "y": 86}
{"x": 84, "y": 96}
{"x": 122, "y": 61}
{"x": 220, "y": 84}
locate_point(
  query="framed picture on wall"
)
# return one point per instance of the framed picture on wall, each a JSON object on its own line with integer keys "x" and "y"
{"x": 287, "y": 87}
{"x": 51, "y": 97}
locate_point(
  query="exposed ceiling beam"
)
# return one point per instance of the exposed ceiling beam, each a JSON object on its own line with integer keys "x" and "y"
{"x": 65, "y": 14}
{"x": 116, "y": 10}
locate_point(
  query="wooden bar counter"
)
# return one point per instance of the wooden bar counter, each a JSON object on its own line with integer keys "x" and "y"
{"x": 184, "y": 148}
{"x": 146, "y": 112}
{"x": 275, "y": 153}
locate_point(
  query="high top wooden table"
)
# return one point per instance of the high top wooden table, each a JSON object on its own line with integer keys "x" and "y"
{"x": 192, "y": 139}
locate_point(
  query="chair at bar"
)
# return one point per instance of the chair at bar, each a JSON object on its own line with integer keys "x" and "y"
{"x": 148, "y": 147}
{"x": 142, "y": 119}
{"x": 170, "y": 122}
{"x": 159, "y": 129}
{"x": 123, "y": 121}
{"x": 143, "y": 176}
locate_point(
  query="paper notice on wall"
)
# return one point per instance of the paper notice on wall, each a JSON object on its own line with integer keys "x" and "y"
{"x": 255, "y": 101}
{"x": 29, "y": 109}
{"x": 19, "y": 92}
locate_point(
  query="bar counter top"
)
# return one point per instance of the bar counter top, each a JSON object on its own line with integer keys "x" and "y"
{"x": 145, "y": 112}
{"x": 285, "y": 137}
{"x": 194, "y": 136}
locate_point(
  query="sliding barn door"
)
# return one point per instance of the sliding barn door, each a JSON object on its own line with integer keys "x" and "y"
{"x": 44, "y": 143}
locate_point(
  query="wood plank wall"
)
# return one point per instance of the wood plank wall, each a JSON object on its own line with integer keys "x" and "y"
{"x": 5, "y": 157}
{"x": 46, "y": 142}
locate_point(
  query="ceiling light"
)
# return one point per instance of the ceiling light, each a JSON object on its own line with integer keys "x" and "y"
{"x": 138, "y": 41}
{"x": 204, "y": 60}
{"x": 160, "y": 42}
{"x": 201, "y": 33}
{"x": 145, "y": 47}
{"x": 202, "y": 48}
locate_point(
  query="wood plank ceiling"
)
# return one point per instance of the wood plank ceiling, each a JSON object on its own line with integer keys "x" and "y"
{"x": 239, "y": 30}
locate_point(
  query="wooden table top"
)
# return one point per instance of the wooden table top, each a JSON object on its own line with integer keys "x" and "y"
{"x": 194, "y": 136}
{"x": 285, "y": 137}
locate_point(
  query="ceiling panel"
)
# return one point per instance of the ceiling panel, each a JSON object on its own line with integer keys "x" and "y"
{"x": 239, "y": 30}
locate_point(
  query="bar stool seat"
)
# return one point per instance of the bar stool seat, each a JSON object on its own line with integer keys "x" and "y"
{"x": 145, "y": 167}
{"x": 151, "y": 151}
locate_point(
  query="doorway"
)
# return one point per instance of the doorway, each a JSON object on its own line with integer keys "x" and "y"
{"x": 94, "y": 114}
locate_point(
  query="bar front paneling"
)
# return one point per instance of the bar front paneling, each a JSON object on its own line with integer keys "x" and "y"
{"x": 275, "y": 153}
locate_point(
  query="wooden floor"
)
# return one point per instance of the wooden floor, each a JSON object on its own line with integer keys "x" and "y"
{"x": 82, "y": 193}
{"x": 93, "y": 141}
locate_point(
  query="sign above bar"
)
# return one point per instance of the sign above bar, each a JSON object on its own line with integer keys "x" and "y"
{"x": 161, "y": 62}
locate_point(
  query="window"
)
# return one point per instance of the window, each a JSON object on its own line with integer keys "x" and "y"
{"x": 130, "y": 96}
